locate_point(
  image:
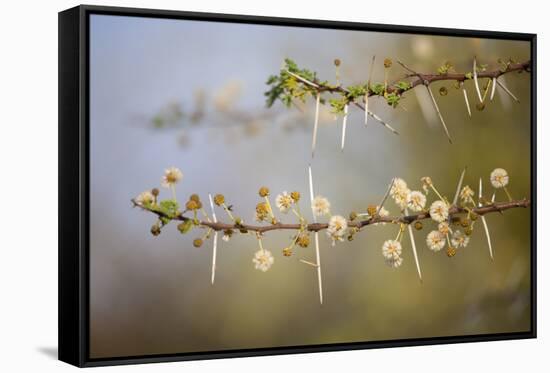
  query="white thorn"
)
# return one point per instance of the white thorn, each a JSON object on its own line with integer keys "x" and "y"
{"x": 214, "y": 253}
{"x": 466, "y": 100}
{"x": 488, "y": 236}
{"x": 366, "y": 107}
{"x": 459, "y": 186}
{"x": 493, "y": 89}
{"x": 303, "y": 80}
{"x": 318, "y": 257}
{"x": 344, "y": 123}
{"x": 480, "y": 193}
{"x": 439, "y": 114}
{"x": 382, "y": 122}
{"x": 476, "y": 82}
{"x": 215, "y": 243}
{"x": 311, "y": 195}
{"x": 507, "y": 91}
{"x": 316, "y": 124}
{"x": 484, "y": 221}
{"x": 413, "y": 244}
{"x": 385, "y": 196}
{"x": 317, "y": 253}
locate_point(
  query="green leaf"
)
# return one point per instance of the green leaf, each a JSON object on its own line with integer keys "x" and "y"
{"x": 402, "y": 85}
{"x": 286, "y": 87}
{"x": 185, "y": 226}
{"x": 393, "y": 99}
{"x": 377, "y": 88}
{"x": 168, "y": 210}
{"x": 445, "y": 68}
{"x": 355, "y": 91}
{"x": 338, "y": 105}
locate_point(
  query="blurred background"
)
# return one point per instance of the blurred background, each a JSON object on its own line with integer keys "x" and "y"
{"x": 190, "y": 94}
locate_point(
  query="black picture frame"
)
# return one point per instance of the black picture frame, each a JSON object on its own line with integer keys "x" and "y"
{"x": 74, "y": 184}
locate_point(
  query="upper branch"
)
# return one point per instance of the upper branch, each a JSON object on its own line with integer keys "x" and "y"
{"x": 428, "y": 78}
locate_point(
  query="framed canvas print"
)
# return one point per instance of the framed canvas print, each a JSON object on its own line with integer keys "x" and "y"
{"x": 237, "y": 186}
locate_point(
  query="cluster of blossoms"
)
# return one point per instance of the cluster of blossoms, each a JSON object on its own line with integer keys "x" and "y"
{"x": 453, "y": 232}
{"x": 405, "y": 198}
{"x": 454, "y": 221}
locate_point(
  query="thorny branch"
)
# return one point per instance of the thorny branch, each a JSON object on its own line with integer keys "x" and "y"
{"x": 315, "y": 227}
{"x": 294, "y": 83}
{"x": 421, "y": 79}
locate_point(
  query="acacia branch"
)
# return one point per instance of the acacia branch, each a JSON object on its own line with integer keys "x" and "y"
{"x": 428, "y": 78}
{"x": 316, "y": 227}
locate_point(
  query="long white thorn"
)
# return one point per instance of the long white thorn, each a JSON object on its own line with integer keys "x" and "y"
{"x": 507, "y": 91}
{"x": 466, "y": 100}
{"x": 303, "y": 80}
{"x": 484, "y": 221}
{"x": 366, "y": 107}
{"x": 385, "y": 196}
{"x": 368, "y": 88}
{"x": 318, "y": 259}
{"x": 382, "y": 122}
{"x": 311, "y": 195}
{"x": 215, "y": 241}
{"x": 317, "y": 252}
{"x": 413, "y": 245}
{"x": 344, "y": 123}
{"x": 493, "y": 89}
{"x": 316, "y": 124}
{"x": 439, "y": 114}
{"x": 308, "y": 263}
{"x": 459, "y": 186}
{"x": 476, "y": 81}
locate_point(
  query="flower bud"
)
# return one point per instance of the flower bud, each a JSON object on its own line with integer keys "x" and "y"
{"x": 303, "y": 240}
{"x": 263, "y": 192}
{"x": 155, "y": 230}
{"x": 219, "y": 199}
{"x": 451, "y": 251}
{"x": 191, "y": 205}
